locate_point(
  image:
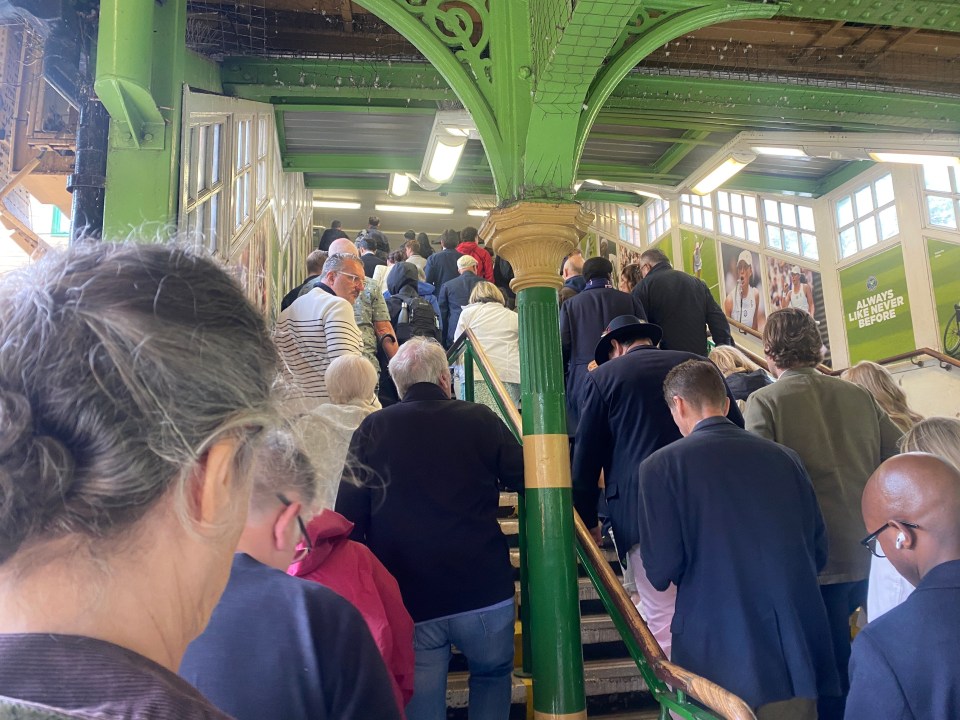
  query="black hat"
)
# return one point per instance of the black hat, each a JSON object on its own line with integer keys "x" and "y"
{"x": 625, "y": 327}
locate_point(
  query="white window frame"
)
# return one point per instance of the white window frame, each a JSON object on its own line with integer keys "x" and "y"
{"x": 263, "y": 127}
{"x": 735, "y": 218}
{"x": 857, "y": 228}
{"x": 659, "y": 222}
{"x": 241, "y": 185}
{"x": 951, "y": 195}
{"x": 697, "y": 211}
{"x": 201, "y": 192}
{"x": 781, "y": 218}
{"x": 629, "y": 221}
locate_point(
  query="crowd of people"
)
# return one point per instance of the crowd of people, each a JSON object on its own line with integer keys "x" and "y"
{"x": 206, "y": 518}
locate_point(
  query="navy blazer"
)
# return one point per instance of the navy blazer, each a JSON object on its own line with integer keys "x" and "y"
{"x": 905, "y": 664}
{"x": 454, "y": 296}
{"x": 583, "y": 318}
{"x": 732, "y": 520}
{"x": 441, "y": 267}
{"x": 623, "y": 420}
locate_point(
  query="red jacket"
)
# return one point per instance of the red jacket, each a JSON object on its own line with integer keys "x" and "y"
{"x": 484, "y": 261}
{"x": 353, "y": 572}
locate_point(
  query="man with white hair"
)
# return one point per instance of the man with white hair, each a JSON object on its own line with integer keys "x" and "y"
{"x": 458, "y": 588}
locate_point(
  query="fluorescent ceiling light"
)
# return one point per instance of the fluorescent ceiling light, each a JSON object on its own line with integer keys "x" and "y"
{"x": 780, "y": 151}
{"x": 591, "y": 181}
{"x": 721, "y": 173}
{"x": 424, "y": 209}
{"x": 478, "y": 212}
{"x": 443, "y": 157}
{"x": 647, "y": 193}
{"x": 915, "y": 158}
{"x": 399, "y": 184}
{"x": 337, "y": 204}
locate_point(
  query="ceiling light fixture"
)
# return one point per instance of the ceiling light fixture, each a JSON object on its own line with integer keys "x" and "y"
{"x": 422, "y": 209}
{"x": 722, "y": 172}
{"x": 478, "y": 212}
{"x": 337, "y": 204}
{"x": 448, "y": 139}
{"x": 647, "y": 193}
{"x": 591, "y": 181}
{"x": 780, "y": 151}
{"x": 443, "y": 156}
{"x": 399, "y": 184}
{"x": 915, "y": 158}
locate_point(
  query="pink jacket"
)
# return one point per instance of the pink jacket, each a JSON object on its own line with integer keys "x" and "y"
{"x": 484, "y": 261}
{"x": 353, "y": 572}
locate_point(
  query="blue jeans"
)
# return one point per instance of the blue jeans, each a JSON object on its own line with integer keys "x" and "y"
{"x": 485, "y": 637}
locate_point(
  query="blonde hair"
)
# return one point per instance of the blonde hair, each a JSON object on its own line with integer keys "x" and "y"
{"x": 350, "y": 378}
{"x": 485, "y": 291}
{"x": 877, "y": 380}
{"x": 730, "y": 360}
{"x": 937, "y": 435}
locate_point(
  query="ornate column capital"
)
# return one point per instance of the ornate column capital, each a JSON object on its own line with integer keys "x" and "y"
{"x": 534, "y": 238}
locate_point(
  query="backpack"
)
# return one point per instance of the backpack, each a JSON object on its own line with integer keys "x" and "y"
{"x": 416, "y": 318}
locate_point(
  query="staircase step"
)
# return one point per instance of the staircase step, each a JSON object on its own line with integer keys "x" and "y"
{"x": 603, "y": 677}
{"x": 585, "y": 590}
{"x": 609, "y": 554}
{"x": 509, "y": 526}
{"x": 508, "y": 499}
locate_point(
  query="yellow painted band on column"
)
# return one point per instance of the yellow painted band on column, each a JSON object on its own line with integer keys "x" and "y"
{"x": 548, "y": 457}
{"x": 582, "y": 715}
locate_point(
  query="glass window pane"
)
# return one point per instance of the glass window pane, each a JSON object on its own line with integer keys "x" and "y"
{"x": 806, "y": 217}
{"x": 889, "y": 226}
{"x": 868, "y": 232}
{"x": 215, "y": 154}
{"x": 723, "y": 201}
{"x": 884, "y": 188}
{"x": 708, "y": 220}
{"x": 706, "y": 201}
{"x": 864, "y": 200}
{"x": 788, "y": 213}
{"x": 698, "y": 217}
{"x": 738, "y": 228}
{"x": 937, "y": 177}
{"x": 774, "y": 238}
{"x": 844, "y": 211}
{"x": 770, "y": 212}
{"x": 848, "y": 242}
{"x": 750, "y": 206}
{"x": 725, "y": 224}
{"x": 941, "y": 211}
{"x": 196, "y": 161}
{"x": 736, "y": 203}
{"x": 808, "y": 246}
{"x": 685, "y": 214}
{"x": 791, "y": 241}
{"x": 753, "y": 231}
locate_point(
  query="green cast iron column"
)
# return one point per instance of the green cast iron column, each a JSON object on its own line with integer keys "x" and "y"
{"x": 534, "y": 237}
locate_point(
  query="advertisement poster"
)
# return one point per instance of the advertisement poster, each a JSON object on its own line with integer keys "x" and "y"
{"x": 876, "y": 307}
{"x": 743, "y": 285}
{"x": 588, "y": 245}
{"x": 700, "y": 259}
{"x": 665, "y": 245}
{"x": 945, "y": 272}
{"x": 791, "y": 285}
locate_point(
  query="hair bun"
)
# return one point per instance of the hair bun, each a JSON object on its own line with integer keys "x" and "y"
{"x": 16, "y": 421}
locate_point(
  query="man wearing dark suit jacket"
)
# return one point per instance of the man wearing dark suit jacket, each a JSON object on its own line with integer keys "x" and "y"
{"x": 731, "y": 519}
{"x": 842, "y": 436}
{"x": 582, "y": 320}
{"x": 905, "y": 664}
{"x": 368, "y": 257}
{"x": 681, "y": 304}
{"x": 441, "y": 267}
{"x": 624, "y": 420}
{"x": 455, "y": 295}
{"x": 423, "y": 496}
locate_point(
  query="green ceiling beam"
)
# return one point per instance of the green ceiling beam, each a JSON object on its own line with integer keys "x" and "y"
{"x": 285, "y": 105}
{"x": 926, "y": 14}
{"x": 672, "y": 157}
{"x": 281, "y": 131}
{"x": 754, "y": 182}
{"x": 845, "y": 174}
{"x": 628, "y": 137}
{"x": 614, "y": 196}
{"x": 344, "y": 164}
{"x": 477, "y": 185}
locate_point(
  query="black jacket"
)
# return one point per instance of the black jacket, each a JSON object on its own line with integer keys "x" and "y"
{"x": 742, "y": 384}
{"x": 442, "y": 267}
{"x": 295, "y": 293}
{"x": 329, "y": 235}
{"x": 428, "y": 511}
{"x": 454, "y": 295}
{"x": 683, "y": 306}
{"x": 370, "y": 262}
{"x": 624, "y": 419}
{"x": 583, "y": 318}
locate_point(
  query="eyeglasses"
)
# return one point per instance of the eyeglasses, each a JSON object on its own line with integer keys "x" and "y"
{"x": 357, "y": 279}
{"x": 307, "y": 545}
{"x": 870, "y": 541}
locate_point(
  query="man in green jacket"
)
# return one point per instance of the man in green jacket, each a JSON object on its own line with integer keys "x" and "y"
{"x": 842, "y": 436}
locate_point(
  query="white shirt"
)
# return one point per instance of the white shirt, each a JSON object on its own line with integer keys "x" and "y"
{"x": 498, "y": 332}
{"x": 310, "y": 333}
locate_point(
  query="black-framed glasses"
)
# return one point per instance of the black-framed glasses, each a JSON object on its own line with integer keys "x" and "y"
{"x": 307, "y": 545}
{"x": 870, "y": 541}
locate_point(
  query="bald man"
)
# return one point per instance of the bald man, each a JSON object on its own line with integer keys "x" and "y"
{"x": 906, "y": 664}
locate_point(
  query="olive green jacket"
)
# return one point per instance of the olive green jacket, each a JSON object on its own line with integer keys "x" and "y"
{"x": 842, "y": 435}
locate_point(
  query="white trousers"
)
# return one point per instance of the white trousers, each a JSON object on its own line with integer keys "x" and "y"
{"x": 655, "y": 607}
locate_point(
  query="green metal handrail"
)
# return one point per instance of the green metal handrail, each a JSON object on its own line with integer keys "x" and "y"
{"x": 677, "y": 690}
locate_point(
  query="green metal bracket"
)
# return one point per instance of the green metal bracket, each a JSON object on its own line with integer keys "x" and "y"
{"x": 124, "y": 68}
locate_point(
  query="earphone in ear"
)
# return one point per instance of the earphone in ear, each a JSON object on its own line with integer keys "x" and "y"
{"x": 901, "y": 539}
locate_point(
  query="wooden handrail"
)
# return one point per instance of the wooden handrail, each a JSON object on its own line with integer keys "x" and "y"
{"x": 721, "y": 701}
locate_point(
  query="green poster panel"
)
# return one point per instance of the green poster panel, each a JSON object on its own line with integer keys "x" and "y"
{"x": 945, "y": 273}
{"x": 709, "y": 269}
{"x": 665, "y": 245}
{"x": 876, "y": 307}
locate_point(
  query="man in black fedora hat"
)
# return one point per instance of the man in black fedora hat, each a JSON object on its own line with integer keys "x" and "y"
{"x": 623, "y": 420}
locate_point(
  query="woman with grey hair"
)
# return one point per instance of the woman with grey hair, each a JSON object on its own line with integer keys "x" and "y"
{"x": 133, "y": 381}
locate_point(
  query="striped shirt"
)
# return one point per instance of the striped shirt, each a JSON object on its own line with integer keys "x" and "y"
{"x": 315, "y": 329}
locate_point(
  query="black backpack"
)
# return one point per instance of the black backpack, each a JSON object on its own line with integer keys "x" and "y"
{"x": 416, "y": 318}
